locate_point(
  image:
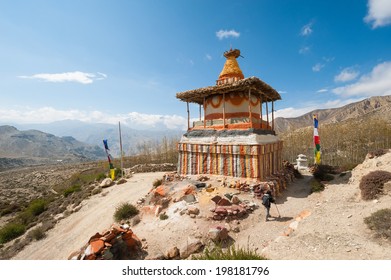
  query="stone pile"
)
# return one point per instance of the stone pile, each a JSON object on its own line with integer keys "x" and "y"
{"x": 230, "y": 208}
{"x": 172, "y": 176}
{"x": 116, "y": 243}
{"x": 151, "y": 167}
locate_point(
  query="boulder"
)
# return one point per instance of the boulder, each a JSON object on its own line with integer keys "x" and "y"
{"x": 216, "y": 199}
{"x": 106, "y": 183}
{"x": 191, "y": 248}
{"x": 218, "y": 234}
{"x": 193, "y": 210}
{"x": 200, "y": 185}
{"x": 121, "y": 181}
{"x": 173, "y": 253}
{"x": 224, "y": 202}
{"x": 135, "y": 220}
{"x": 189, "y": 198}
{"x": 221, "y": 211}
{"x": 235, "y": 200}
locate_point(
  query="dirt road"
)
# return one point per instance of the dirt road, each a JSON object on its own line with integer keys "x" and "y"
{"x": 96, "y": 215}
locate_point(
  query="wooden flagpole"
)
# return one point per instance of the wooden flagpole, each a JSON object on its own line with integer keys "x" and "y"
{"x": 120, "y": 147}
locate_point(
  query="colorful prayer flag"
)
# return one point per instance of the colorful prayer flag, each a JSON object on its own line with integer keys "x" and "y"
{"x": 316, "y": 140}
{"x": 109, "y": 158}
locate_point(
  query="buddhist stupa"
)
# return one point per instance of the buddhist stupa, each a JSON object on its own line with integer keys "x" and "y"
{"x": 231, "y": 137}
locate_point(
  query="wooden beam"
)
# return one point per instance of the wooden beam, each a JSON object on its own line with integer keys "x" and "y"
{"x": 188, "y": 115}
{"x": 267, "y": 113}
{"x": 273, "y": 115}
{"x": 250, "y": 115}
{"x": 260, "y": 105}
{"x": 224, "y": 109}
{"x": 204, "y": 112}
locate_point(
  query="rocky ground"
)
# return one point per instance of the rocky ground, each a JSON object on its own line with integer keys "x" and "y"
{"x": 325, "y": 225}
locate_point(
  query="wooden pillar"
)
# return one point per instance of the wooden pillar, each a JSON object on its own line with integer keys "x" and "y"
{"x": 250, "y": 114}
{"x": 200, "y": 112}
{"x": 260, "y": 105}
{"x": 188, "y": 115}
{"x": 224, "y": 110}
{"x": 273, "y": 115}
{"x": 267, "y": 113}
{"x": 204, "y": 113}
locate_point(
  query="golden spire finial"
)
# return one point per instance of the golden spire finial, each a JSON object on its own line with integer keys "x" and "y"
{"x": 231, "y": 71}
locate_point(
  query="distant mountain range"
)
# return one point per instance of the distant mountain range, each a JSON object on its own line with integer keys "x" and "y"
{"x": 94, "y": 133}
{"x": 374, "y": 107}
{"x": 30, "y": 147}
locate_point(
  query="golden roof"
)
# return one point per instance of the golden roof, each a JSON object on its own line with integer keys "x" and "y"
{"x": 231, "y": 66}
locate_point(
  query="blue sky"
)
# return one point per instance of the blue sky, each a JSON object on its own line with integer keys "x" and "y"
{"x": 110, "y": 61}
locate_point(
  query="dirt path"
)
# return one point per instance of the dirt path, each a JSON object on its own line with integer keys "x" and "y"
{"x": 334, "y": 228}
{"x": 73, "y": 232}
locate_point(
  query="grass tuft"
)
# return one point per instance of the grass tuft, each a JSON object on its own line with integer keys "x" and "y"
{"x": 70, "y": 190}
{"x": 231, "y": 253}
{"x": 125, "y": 211}
{"x": 11, "y": 231}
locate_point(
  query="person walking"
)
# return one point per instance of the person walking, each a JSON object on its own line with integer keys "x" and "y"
{"x": 267, "y": 201}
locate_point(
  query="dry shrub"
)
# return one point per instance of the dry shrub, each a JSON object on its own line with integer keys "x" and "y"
{"x": 157, "y": 183}
{"x": 380, "y": 222}
{"x": 371, "y": 185}
{"x": 376, "y": 153}
{"x": 37, "y": 233}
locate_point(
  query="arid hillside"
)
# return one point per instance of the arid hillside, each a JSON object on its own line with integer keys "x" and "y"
{"x": 375, "y": 107}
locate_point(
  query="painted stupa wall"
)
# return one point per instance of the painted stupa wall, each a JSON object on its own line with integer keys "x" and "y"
{"x": 236, "y": 112}
{"x": 228, "y": 156}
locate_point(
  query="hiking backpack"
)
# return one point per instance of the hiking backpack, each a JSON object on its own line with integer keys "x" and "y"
{"x": 266, "y": 200}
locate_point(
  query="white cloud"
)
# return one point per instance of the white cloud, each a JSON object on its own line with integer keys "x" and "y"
{"x": 282, "y": 91}
{"x": 304, "y": 50}
{"x": 328, "y": 59}
{"x": 322, "y": 90}
{"x": 376, "y": 83}
{"x": 346, "y": 75}
{"x": 135, "y": 119}
{"x": 222, "y": 34}
{"x": 306, "y": 30}
{"x": 208, "y": 57}
{"x": 49, "y": 114}
{"x": 292, "y": 112}
{"x": 379, "y": 13}
{"x": 77, "y": 76}
{"x": 336, "y": 103}
{"x": 102, "y": 76}
{"x": 317, "y": 67}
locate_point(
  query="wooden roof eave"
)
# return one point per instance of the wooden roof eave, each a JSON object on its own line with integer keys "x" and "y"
{"x": 263, "y": 90}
